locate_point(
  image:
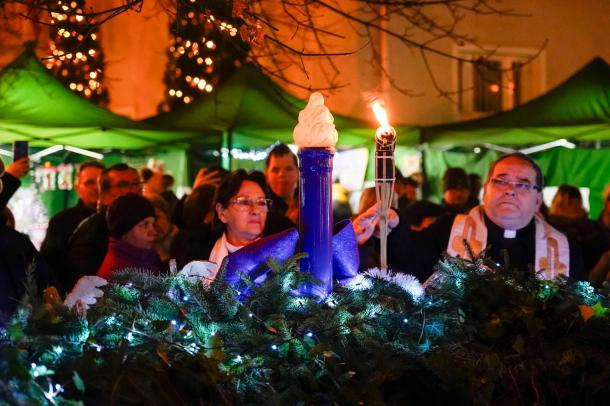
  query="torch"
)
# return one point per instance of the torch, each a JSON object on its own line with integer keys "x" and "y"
{"x": 385, "y": 140}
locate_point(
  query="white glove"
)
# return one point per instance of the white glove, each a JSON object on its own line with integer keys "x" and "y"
{"x": 85, "y": 291}
{"x": 199, "y": 270}
{"x": 365, "y": 224}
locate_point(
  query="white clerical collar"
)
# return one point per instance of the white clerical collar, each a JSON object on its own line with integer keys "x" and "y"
{"x": 510, "y": 233}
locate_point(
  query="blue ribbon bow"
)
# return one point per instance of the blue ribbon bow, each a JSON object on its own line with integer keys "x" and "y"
{"x": 251, "y": 260}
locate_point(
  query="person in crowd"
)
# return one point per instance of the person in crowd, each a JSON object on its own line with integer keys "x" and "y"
{"x": 405, "y": 192}
{"x": 507, "y": 224}
{"x": 165, "y": 229}
{"x": 11, "y": 178}
{"x": 368, "y": 198}
{"x": 131, "y": 229}
{"x": 152, "y": 180}
{"x": 604, "y": 218}
{"x": 601, "y": 272}
{"x": 62, "y": 225}
{"x": 568, "y": 215}
{"x": 167, "y": 183}
{"x": 198, "y": 207}
{"x": 241, "y": 216}
{"x": 7, "y": 217}
{"x": 17, "y": 255}
{"x": 475, "y": 184}
{"x": 411, "y": 186}
{"x": 341, "y": 208}
{"x": 456, "y": 191}
{"x": 420, "y": 215}
{"x": 88, "y": 244}
{"x": 212, "y": 177}
{"x": 282, "y": 176}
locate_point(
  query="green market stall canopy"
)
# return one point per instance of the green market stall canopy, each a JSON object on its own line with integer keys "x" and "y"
{"x": 577, "y": 110}
{"x": 254, "y": 112}
{"x": 34, "y": 106}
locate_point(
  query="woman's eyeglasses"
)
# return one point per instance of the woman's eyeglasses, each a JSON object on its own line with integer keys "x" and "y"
{"x": 244, "y": 203}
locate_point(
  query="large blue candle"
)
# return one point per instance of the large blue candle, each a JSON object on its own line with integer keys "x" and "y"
{"x": 315, "y": 217}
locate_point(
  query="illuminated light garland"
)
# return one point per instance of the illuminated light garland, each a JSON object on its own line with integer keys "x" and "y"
{"x": 77, "y": 58}
{"x": 200, "y": 55}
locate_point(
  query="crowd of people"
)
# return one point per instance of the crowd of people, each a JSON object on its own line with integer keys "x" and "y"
{"x": 512, "y": 224}
{"x": 129, "y": 218}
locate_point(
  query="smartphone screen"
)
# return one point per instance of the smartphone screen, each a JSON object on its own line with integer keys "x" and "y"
{"x": 20, "y": 150}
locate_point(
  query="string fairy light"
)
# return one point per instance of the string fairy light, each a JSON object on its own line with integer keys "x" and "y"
{"x": 76, "y": 57}
{"x": 200, "y": 55}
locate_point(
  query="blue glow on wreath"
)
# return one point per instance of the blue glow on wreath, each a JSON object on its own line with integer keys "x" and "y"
{"x": 309, "y": 334}
{"x": 273, "y": 347}
{"x": 587, "y": 292}
{"x": 425, "y": 346}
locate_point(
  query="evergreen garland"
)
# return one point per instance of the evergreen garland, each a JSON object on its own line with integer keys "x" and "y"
{"x": 476, "y": 334}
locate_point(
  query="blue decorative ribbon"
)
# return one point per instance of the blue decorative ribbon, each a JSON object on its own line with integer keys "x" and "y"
{"x": 251, "y": 260}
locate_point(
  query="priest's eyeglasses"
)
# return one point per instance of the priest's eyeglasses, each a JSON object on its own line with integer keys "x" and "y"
{"x": 244, "y": 203}
{"x": 503, "y": 184}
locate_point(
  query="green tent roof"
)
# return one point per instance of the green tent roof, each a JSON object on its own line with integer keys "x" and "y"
{"x": 578, "y": 110}
{"x": 256, "y": 112}
{"x": 34, "y": 106}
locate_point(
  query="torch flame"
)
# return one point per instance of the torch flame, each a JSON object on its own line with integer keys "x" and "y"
{"x": 381, "y": 115}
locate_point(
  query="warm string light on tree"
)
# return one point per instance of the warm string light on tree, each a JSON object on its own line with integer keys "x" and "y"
{"x": 202, "y": 54}
{"x": 76, "y": 58}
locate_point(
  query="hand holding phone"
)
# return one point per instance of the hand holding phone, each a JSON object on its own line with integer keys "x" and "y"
{"x": 20, "y": 150}
{"x": 21, "y": 164}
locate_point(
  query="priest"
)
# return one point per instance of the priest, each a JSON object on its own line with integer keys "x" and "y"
{"x": 508, "y": 224}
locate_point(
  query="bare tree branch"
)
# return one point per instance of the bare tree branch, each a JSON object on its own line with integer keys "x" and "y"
{"x": 284, "y": 34}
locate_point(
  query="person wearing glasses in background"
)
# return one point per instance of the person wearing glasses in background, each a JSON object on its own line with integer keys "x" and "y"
{"x": 88, "y": 244}
{"x": 62, "y": 225}
{"x": 240, "y": 218}
{"x": 507, "y": 223}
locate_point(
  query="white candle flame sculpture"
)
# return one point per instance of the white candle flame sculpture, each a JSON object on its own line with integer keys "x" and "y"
{"x": 316, "y": 128}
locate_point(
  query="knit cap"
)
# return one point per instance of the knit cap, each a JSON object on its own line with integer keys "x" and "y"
{"x": 126, "y": 212}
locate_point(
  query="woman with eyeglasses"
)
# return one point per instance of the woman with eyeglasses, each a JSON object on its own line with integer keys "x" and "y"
{"x": 241, "y": 217}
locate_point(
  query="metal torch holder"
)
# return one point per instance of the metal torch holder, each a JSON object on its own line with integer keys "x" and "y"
{"x": 385, "y": 140}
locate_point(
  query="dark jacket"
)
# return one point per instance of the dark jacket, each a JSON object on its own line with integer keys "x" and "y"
{"x": 279, "y": 205}
{"x": 588, "y": 233}
{"x": 55, "y": 244}
{"x": 417, "y": 252}
{"x": 16, "y": 255}
{"x": 10, "y": 185}
{"x": 87, "y": 248}
{"x": 122, "y": 255}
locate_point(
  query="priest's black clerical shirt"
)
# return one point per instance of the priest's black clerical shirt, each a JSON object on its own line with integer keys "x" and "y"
{"x": 417, "y": 252}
